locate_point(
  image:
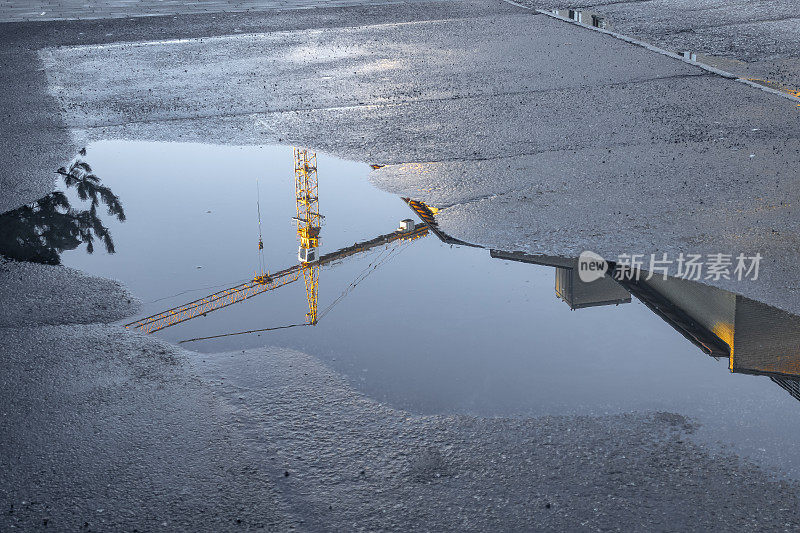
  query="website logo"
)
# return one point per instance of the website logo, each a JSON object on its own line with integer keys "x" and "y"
{"x": 591, "y": 266}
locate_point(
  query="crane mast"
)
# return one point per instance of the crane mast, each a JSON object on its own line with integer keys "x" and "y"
{"x": 309, "y": 221}
{"x": 309, "y": 224}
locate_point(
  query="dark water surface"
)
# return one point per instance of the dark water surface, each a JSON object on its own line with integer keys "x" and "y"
{"x": 435, "y": 328}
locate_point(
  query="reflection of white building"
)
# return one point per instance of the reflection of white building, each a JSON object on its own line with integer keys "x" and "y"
{"x": 755, "y": 338}
{"x": 701, "y": 313}
{"x": 766, "y": 340}
{"x": 758, "y": 338}
{"x": 761, "y": 339}
{"x": 569, "y": 286}
{"x": 583, "y": 17}
{"x": 578, "y": 294}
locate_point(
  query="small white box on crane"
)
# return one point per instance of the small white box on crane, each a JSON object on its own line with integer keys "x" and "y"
{"x": 406, "y": 226}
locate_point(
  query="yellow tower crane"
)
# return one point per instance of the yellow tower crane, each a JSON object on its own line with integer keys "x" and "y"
{"x": 309, "y": 224}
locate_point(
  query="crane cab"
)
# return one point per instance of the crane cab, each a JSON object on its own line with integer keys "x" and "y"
{"x": 307, "y": 255}
{"x": 406, "y": 226}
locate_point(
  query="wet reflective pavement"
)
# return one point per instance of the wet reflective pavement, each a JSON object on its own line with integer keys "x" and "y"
{"x": 431, "y": 325}
{"x": 751, "y": 39}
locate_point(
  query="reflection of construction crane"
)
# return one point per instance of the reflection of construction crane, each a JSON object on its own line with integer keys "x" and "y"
{"x": 309, "y": 224}
{"x": 215, "y": 301}
{"x": 218, "y": 300}
{"x": 308, "y": 231}
{"x": 428, "y": 215}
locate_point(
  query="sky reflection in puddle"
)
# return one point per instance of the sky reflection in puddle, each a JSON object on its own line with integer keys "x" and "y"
{"x": 437, "y": 328}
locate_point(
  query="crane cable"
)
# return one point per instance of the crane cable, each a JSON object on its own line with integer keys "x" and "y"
{"x": 364, "y": 274}
{"x": 228, "y": 284}
{"x": 261, "y": 262}
{"x": 242, "y": 333}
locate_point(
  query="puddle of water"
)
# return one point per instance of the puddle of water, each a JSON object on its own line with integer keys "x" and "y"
{"x": 434, "y": 327}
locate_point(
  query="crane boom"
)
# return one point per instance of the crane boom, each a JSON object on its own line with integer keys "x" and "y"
{"x": 260, "y": 284}
{"x": 215, "y": 301}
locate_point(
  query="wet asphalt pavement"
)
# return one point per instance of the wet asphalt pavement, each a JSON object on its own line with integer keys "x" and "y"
{"x": 501, "y": 116}
{"x": 756, "y": 31}
{"x": 750, "y": 39}
{"x": 518, "y": 137}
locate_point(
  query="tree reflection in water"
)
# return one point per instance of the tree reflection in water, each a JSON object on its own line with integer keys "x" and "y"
{"x": 40, "y": 231}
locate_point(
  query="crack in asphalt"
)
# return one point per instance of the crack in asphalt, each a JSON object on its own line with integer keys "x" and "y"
{"x": 405, "y": 102}
{"x": 273, "y": 34}
{"x": 516, "y": 155}
{"x": 618, "y": 2}
{"x": 730, "y": 24}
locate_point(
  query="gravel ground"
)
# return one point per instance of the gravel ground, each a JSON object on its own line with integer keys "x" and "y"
{"x": 750, "y": 30}
{"x": 119, "y": 431}
{"x": 34, "y": 295}
{"x": 107, "y": 430}
{"x": 354, "y": 464}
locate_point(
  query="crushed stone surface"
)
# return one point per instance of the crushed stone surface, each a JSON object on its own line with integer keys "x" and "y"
{"x": 103, "y": 430}
{"x": 32, "y": 294}
{"x": 748, "y": 31}
{"x": 355, "y": 464}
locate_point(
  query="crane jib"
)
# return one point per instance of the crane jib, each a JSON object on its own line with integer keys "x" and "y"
{"x": 241, "y": 292}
